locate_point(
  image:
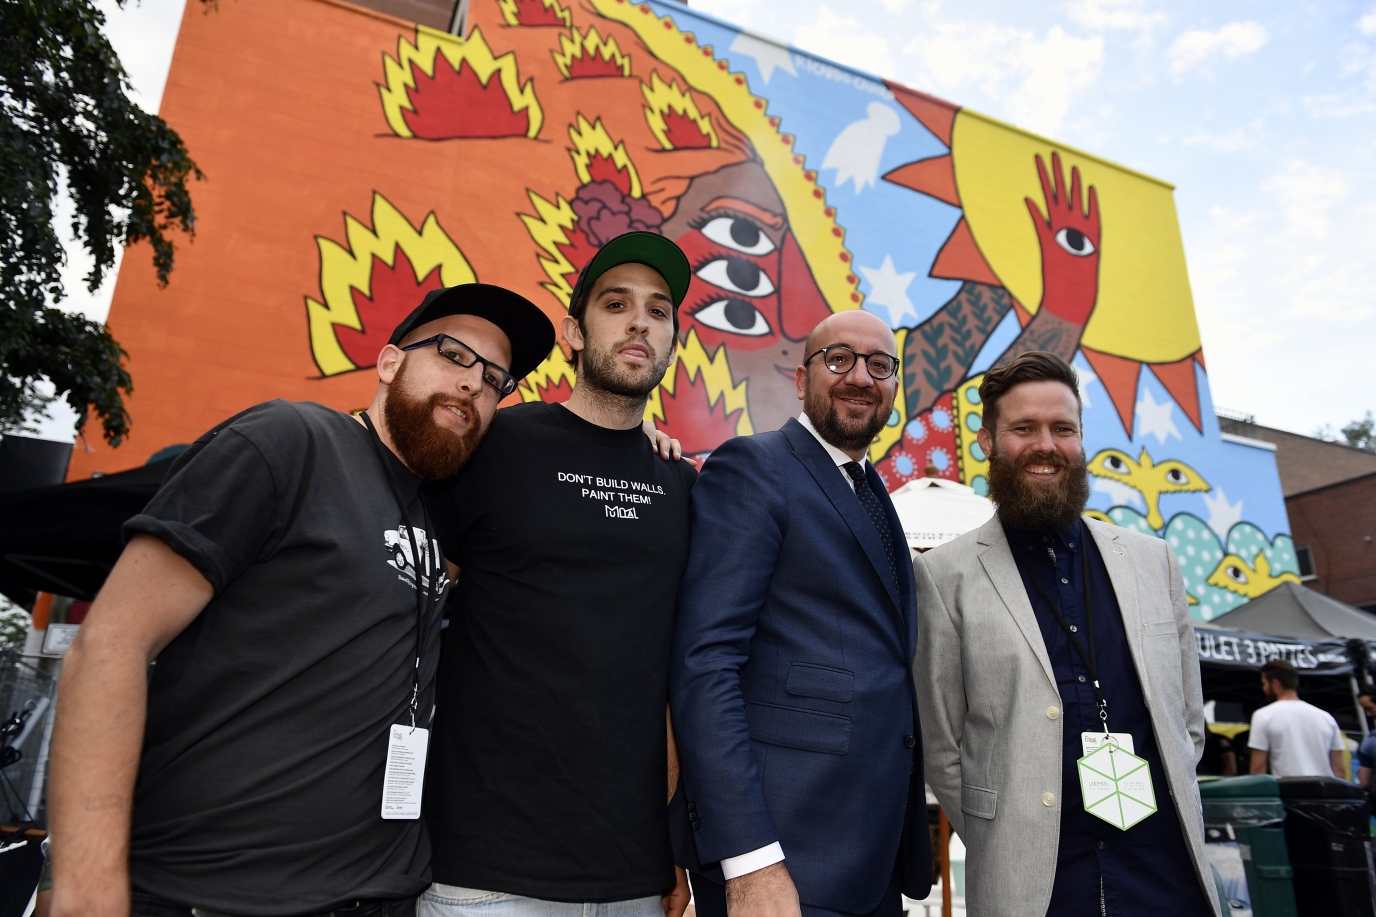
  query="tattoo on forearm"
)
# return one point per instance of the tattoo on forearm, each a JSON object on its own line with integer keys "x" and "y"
{"x": 1047, "y": 332}
{"x": 107, "y": 801}
{"x": 938, "y": 353}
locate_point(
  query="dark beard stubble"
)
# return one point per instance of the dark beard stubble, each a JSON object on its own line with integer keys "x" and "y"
{"x": 429, "y": 450}
{"x": 845, "y": 435}
{"x": 598, "y": 369}
{"x": 1043, "y": 508}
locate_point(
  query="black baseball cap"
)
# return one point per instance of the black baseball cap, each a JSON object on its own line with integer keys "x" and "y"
{"x": 648, "y": 248}
{"x": 529, "y": 330}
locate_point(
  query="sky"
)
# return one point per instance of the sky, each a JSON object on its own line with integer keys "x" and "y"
{"x": 1260, "y": 113}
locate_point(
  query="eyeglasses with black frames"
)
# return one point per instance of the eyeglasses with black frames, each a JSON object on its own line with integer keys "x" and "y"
{"x": 460, "y": 354}
{"x": 840, "y": 359}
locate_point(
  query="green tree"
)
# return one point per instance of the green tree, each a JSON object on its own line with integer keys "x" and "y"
{"x": 1361, "y": 433}
{"x": 66, "y": 112}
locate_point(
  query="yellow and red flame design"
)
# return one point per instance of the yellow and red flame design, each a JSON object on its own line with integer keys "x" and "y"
{"x": 442, "y": 87}
{"x": 674, "y": 118}
{"x": 373, "y": 281}
{"x": 535, "y": 13}
{"x": 587, "y": 54}
{"x": 596, "y": 157}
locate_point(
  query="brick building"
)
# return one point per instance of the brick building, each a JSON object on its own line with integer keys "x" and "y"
{"x": 1330, "y": 496}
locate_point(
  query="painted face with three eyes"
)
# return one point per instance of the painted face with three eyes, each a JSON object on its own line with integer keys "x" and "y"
{"x": 752, "y": 290}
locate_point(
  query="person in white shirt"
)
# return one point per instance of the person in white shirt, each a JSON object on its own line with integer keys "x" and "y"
{"x": 1294, "y": 738}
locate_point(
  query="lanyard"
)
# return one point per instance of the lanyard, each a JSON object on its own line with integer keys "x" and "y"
{"x": 424, "y": 602}
{"x": 1089, "y": 657}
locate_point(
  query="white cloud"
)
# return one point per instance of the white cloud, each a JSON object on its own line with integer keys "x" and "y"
{"x": 1199, "y": 46}
{"x": 1367, "y": 24}
{"x": 845, "y": 40}
{"x": 1227, "y": 142}
{"x": 1108, "y": 15}
{"x": 1307, "y": 193}
{"x": 1036, "y": 78}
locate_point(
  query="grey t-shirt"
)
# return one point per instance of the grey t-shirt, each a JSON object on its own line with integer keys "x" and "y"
{"x": 260, "y": 786}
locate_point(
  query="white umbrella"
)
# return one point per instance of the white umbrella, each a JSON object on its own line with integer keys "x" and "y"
{"x": 934, "y": 511}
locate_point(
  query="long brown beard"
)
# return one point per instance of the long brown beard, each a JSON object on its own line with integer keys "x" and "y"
{"x": 599, "y": 370}
{"x": 847, "y": 435}
{"x": 429, "y": 450}
{"x": 1032, "y": 507}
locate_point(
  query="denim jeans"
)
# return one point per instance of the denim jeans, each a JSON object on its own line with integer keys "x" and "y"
{"x": 452, "y": 901}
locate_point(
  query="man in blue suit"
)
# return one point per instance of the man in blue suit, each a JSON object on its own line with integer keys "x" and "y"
{"x": 791, "y": 682}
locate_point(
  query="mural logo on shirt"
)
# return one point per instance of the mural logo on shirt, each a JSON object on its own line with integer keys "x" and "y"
{"x": 399, "y": 555}
{"x": 620, "y": 497}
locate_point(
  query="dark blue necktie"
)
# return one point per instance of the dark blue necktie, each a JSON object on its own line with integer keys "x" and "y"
{"x": 876, "y": 512}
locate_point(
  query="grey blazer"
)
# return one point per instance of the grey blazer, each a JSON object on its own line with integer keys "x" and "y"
{"x": 990, "y": 710}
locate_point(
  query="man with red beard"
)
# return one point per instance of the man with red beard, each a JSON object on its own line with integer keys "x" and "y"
{"x": 791, "y": 684}
{"x": 1059, "y": 683}
{"x": 547, "y": 793}
{"x": 286, "y": 581}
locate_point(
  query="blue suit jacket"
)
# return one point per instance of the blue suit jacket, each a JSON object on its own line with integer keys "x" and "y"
{"x": 791, "y": 681}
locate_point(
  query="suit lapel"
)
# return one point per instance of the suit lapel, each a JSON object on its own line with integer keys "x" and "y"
{"x": 833, "y": 483}
{"x": 1123, "y": 575}
{"x": 997, "y": 558}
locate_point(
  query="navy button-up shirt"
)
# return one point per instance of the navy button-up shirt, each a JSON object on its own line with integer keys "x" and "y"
{"x": 1147, "y": 869}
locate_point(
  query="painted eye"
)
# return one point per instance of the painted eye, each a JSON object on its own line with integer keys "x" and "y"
{"x": 1236, "y": 574}
{"x": 1176, "y": 476}
{"x": 738, "y": 276}
{"x": 740, "y": 234}
{"x": 733, "y": 315}
{"x": 1075, "y": 242}
{"x": 1115, "y": 464}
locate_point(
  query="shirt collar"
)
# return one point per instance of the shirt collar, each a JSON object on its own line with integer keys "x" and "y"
{"x": 837, "y": 456}
{"x": 1037, "y": 542}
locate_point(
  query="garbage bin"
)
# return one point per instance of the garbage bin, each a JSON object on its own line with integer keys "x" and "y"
{"x": 1243, "y": 818}
{"x": 1327, "y": 832}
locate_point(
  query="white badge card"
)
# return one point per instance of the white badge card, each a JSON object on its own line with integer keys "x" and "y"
{"x": 1117, "y": 786}
{"x": 1090, "y": 741}
{"x": 405, "y": 776}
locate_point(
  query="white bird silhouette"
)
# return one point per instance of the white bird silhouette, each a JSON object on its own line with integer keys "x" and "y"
{"x": 856, "y": 151}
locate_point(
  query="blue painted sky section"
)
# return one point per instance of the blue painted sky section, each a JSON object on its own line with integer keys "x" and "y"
{"x": 820, "y": 100}
{"x": 816, "y": 105}
{"x": 1237, "y": 474}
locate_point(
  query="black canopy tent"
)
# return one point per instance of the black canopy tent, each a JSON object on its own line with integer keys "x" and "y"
{"x": 1329, "y": 643}
{"x": 65, "y": 538}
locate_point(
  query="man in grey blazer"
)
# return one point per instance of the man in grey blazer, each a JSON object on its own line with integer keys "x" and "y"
{"x": 1039, "y": 633}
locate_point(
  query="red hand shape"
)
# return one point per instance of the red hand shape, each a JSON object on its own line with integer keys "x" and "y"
{"x": 1070, "y": 245}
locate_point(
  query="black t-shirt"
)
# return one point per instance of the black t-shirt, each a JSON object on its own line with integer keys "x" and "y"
{"x": 260, "y": 786}
{"x": 547, "y": 763}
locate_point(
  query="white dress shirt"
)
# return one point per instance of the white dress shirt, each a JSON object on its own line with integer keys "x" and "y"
{"x": 733, "y": 867}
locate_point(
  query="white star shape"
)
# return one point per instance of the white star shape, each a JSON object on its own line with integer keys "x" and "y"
{"x": 1087, "y": 378}
{"x": 1121, "y": 494}
{"x": 767, "y": 55}
{"x": 1156, "y": 419}
{"x": 1222, "y": 514}
{"x": 889, "y": 289}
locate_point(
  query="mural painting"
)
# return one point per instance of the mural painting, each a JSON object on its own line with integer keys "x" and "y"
{"x": 795, "y": 187}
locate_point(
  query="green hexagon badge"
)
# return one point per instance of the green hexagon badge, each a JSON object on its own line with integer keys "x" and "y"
{"x": 1116, "y": 786}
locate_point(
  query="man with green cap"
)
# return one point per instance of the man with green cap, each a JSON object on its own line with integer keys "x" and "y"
{"x": 548, "y": 773}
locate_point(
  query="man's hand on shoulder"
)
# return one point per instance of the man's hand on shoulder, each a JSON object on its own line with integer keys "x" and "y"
{"x": 767, "y": 892}
{"x": 666, "y": 446}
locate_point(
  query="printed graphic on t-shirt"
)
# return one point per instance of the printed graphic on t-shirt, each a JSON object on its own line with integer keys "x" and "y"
{"x": 619, "y": 497}
{"x": 398, "y": 546}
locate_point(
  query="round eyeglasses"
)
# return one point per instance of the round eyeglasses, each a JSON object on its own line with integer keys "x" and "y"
{"x": 840, "y": 359}
{"x": 460, "y": 354}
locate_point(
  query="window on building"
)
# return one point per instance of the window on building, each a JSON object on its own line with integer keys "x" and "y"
{"x": 1305, "y": 558}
